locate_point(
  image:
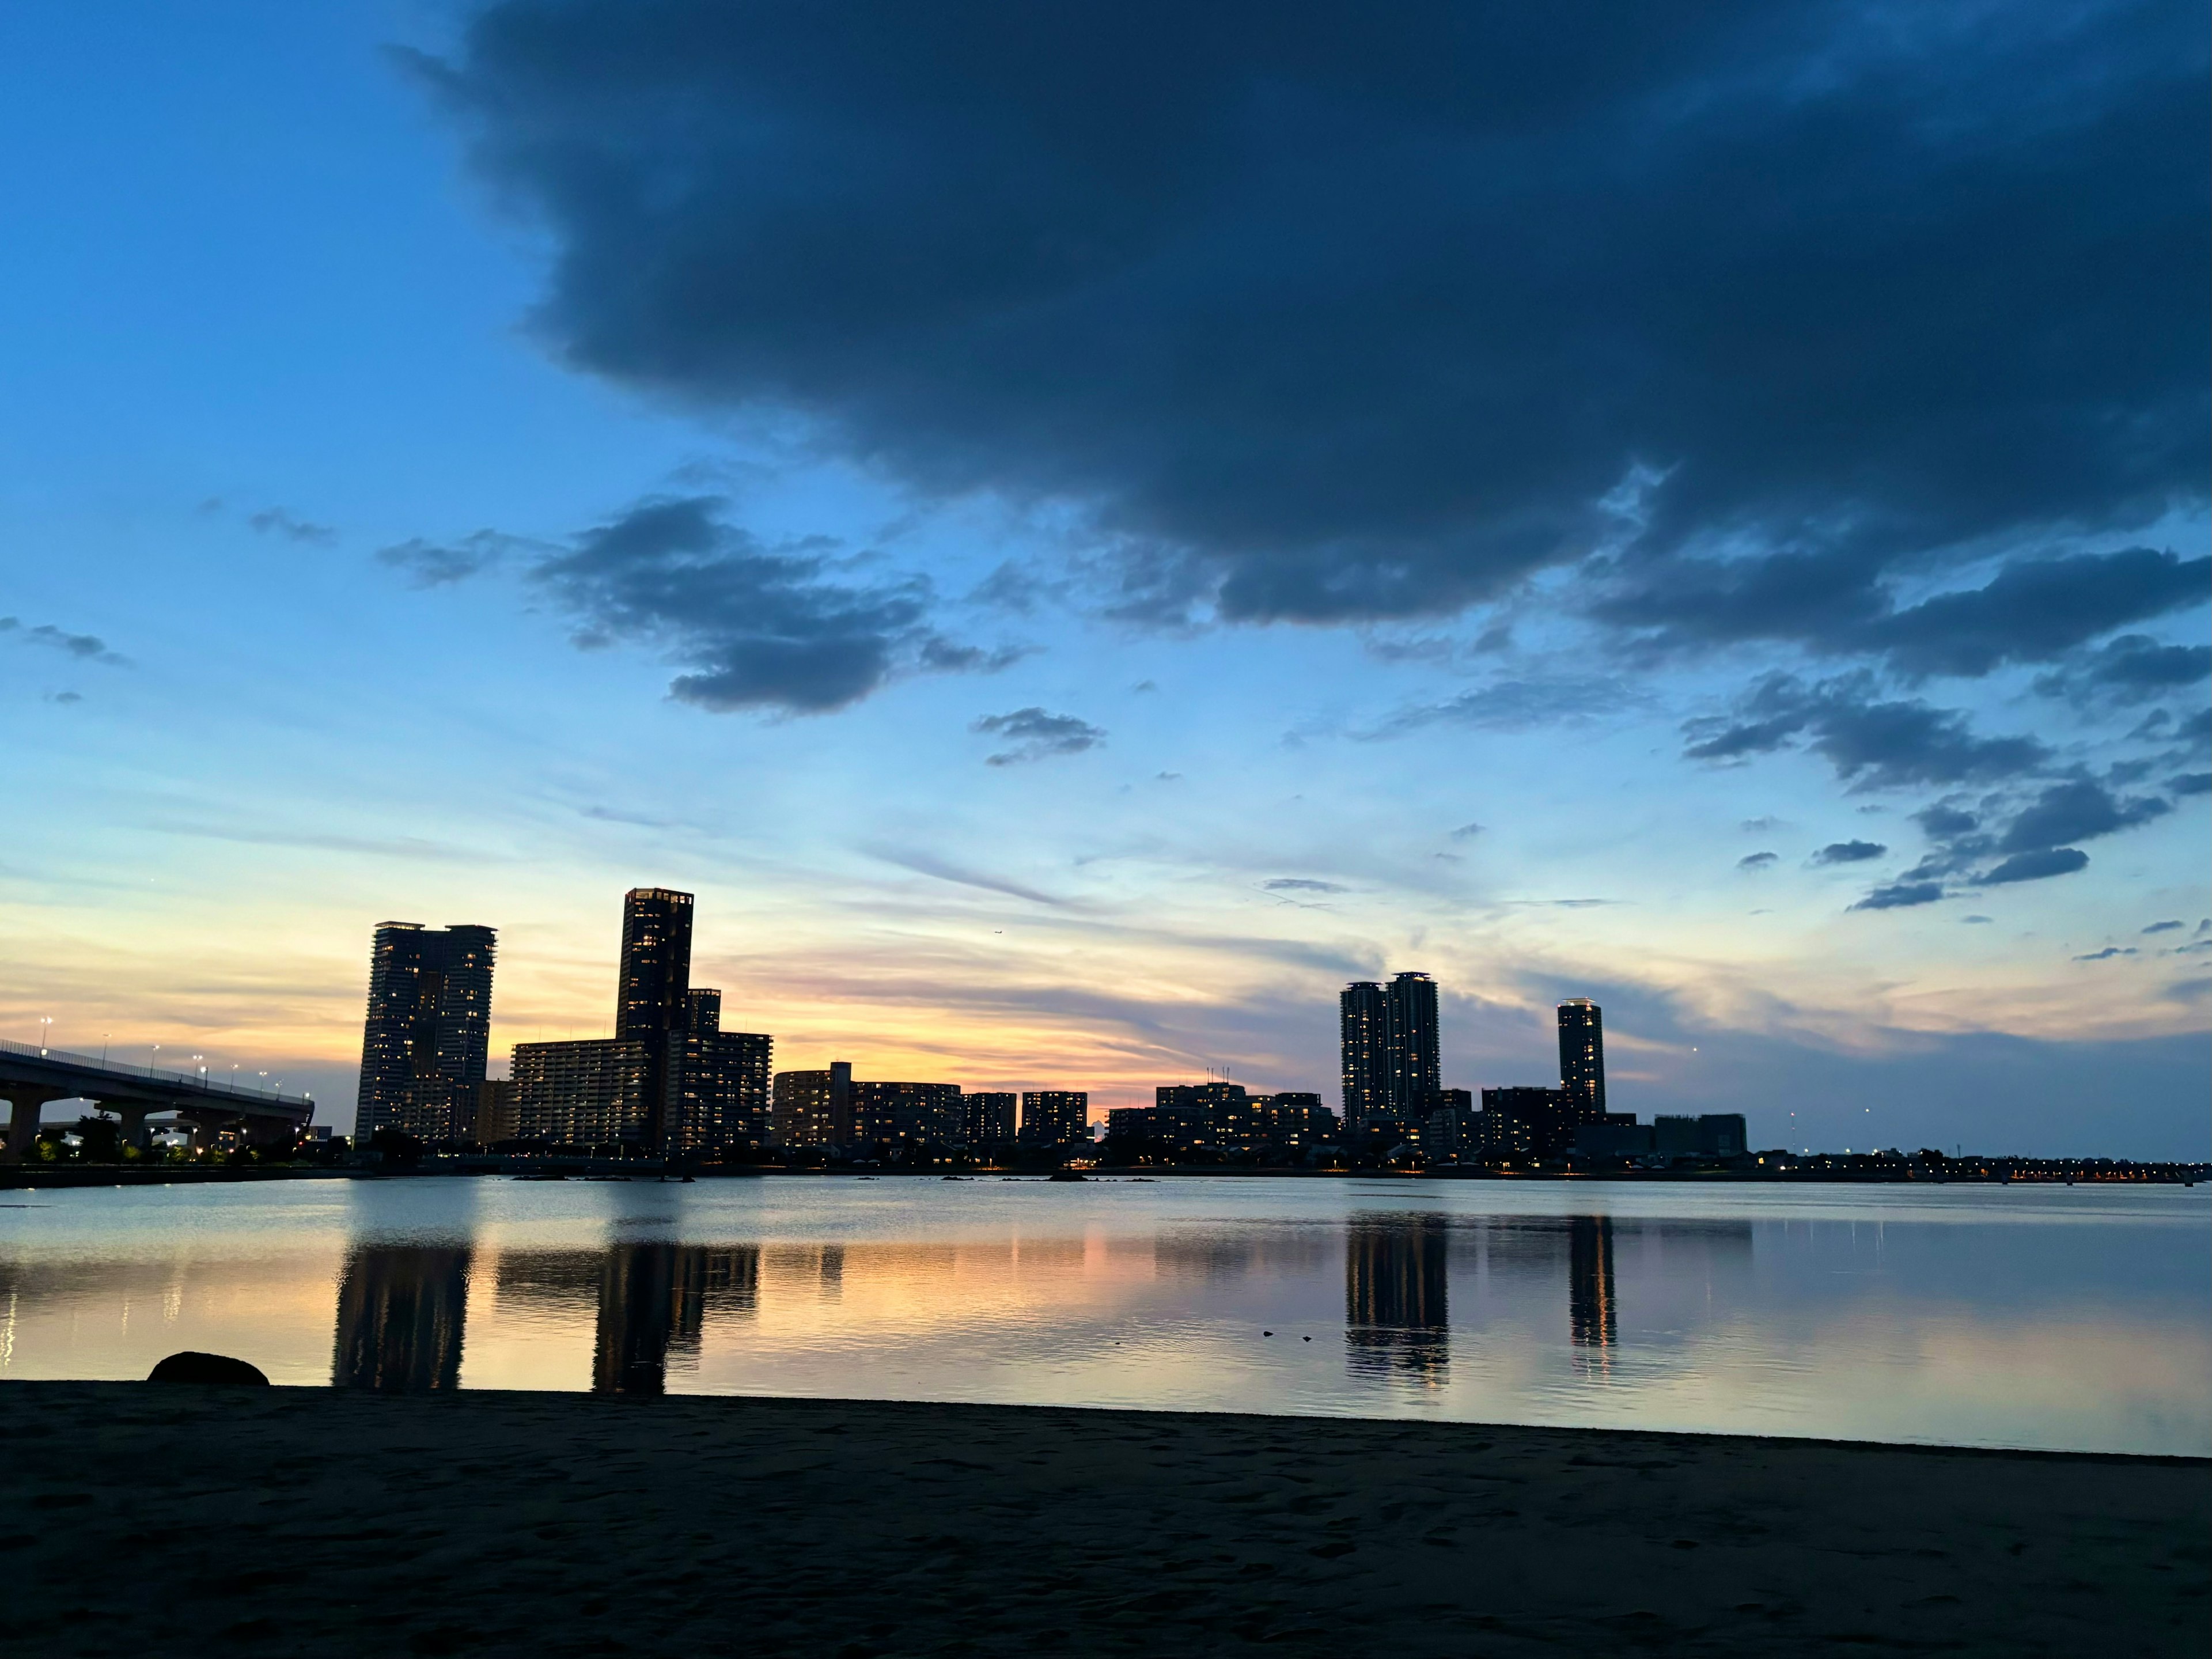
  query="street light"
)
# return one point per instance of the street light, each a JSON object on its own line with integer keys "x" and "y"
{"x": 150, "y": 1053}
{"x": 45, "y": 1031}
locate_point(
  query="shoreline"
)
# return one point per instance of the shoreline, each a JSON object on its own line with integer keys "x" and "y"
{"x": 323, "y": 1521}
{"x": 23, "y": 1178}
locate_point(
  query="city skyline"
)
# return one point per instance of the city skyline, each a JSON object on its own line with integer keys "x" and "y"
{"x": 1258, "y": 589}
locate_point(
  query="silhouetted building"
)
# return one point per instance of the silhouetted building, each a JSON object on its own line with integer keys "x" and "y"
{"x": 1618, "y": 1135}
{"x": 401, "y": 1307}
{"x": 721, "y": 1082}
{"x": 670, "y": 1080}
{"x": 654, "y": 980}
{"x": 1611, "y": 1139}
{"x": 1396, "y": 1294}
{"x": 1536, "y": 1122}
{"x": 495, "y": 1116}
{"x": 914, "y": 1113}
{"x": 1364, "y": 1016}
{"x": 987, "y": 1116}
{"x": 1056, "y": 1117}
{"x": 1713, "y": 1135}
{"x": 428, "y": 1030}
{"x": 1722, "y": 1134}
{"x": 653, "y": 1001}
{"x": 1582, "y": 1058}
{"x": 1414, "y": 1071}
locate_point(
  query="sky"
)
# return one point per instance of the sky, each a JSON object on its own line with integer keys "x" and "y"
{"x": 1077, "y": 531}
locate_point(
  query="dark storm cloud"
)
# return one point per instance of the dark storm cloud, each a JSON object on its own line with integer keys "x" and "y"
{"x": 758, "y": 627}
{"x": 1035, "y": 735}
{"x": 1757, "y": 861}
{"x": 1873, "y": 742}
{"x": 2190, "y": 783}
{"x": 1849, "y": 852}
{"x": 1331, "y": 312}
{"x": 2032, "y": 610}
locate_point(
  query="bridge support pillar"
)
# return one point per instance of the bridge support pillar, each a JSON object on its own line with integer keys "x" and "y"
{"x": 267, "y": 1131}
{"x": 25, "y": 1105}
{"x": 134, "y": 1122}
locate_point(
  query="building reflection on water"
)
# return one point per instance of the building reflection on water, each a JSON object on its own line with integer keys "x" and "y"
{"x": 1397, "y": 1320}
{"x": 1398, "y": 1270}
{"x": 654, "y": 1302}
{"x": 401, "y": 1309}
{"x": 1593, "y": 1321}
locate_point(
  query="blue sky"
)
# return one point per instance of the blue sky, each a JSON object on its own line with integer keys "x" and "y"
{"x": 458, "y": 466}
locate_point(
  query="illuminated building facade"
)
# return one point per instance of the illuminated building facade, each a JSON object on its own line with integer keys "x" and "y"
{"x": 592, "y": 1093}
{"x": 813, "y": 1109}
{"x": 1389, "y": 1038}
{"x": 1056, "y": 1117}
{"x": 670, "y": 1081}
{"x": 987, "y": 1116}
{"x": 1525, "y": 1121}
{"x": 719, "y": 1081}
{"x": 428, "y": 1030}
{"x": 1364, "y": 1017}
{"x": 1413, "y": 1071}
{"x": 1581, "y": 1057}
{"x": 916, "y": 1113}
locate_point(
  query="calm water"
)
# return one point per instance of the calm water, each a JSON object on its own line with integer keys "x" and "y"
{"x": 2068, "y": 1318}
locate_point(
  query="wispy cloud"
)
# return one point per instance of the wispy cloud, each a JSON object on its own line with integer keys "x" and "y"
{"x": 1036, "y": 735}
{"x": 281, "y": 522}
{"x": 85, "y": 648}
{"x": 929, "y": 864}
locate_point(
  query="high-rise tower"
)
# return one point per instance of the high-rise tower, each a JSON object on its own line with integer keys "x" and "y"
{"x": 652, "y": 997}
{"x": 1366, "y": 1016}
{"x": 424, "y": 1042}
{"x": 655, "y": 982}
{"x": 1581, "y": 1057}
{"x": 1415, "y": 1073}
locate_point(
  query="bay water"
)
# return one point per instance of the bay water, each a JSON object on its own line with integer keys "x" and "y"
{"x": 2065, "y": 1318}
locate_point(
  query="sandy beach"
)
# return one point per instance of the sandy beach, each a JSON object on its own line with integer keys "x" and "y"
{"x": 147, "y": 1520}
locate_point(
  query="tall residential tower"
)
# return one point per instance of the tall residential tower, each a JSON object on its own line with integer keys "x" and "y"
{"x": 1581, "y": 1057}
{"x": 424, "y": 1046}
{"x": 1365, "y": 1017}
{"x": 1391, "y": 1071}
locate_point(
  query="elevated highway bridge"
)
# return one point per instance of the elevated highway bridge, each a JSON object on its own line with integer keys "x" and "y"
{"x": 31, "y": 1077}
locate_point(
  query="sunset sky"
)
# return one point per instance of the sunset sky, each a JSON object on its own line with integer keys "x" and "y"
{"x": 1076, "y": 531}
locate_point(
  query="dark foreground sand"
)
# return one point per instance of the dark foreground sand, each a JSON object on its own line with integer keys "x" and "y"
{"x": 151, "y": 1521}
